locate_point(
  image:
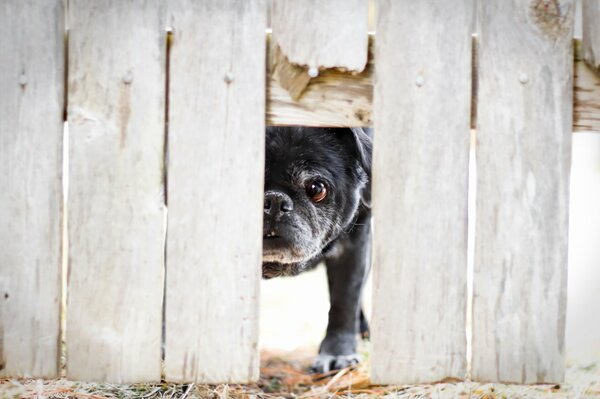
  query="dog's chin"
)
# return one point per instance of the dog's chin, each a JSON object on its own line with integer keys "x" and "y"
{"x": 282, "y": 250}
{"x": 281, "y": 258}
{"x": 272, "y": 270}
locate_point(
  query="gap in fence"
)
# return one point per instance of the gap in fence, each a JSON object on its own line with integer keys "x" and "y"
{"x": 282, "y": 300}
{"x": 64, "y": 251}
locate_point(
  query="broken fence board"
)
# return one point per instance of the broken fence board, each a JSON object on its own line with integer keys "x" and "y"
{"x": 523, "y": 159}
{"x": 335, "y": 37}
{"x": 116, "y": 207}
{"x": 334, "y": 98}
{"x": 420, "y": 176}
{"x": 31, "y": 129}
{"x": 337, "y": 98}
{"x": 215, "y": 190}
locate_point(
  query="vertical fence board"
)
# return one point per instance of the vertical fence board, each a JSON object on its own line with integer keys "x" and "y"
{"x": 523, "y": 156}
{"x": 116, "y": 207}
{"x": 215, "y": 189}
{"x": 591, "y": 32}
{"x": 31, "y": 125}
{"x": 336, "y": 35}
{"x": 420, "y": 176}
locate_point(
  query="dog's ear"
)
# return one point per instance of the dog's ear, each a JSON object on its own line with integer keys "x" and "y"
{"x": 363, "y": 143}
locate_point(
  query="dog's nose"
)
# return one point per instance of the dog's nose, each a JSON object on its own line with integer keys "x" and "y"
{"x": 277, "y": 202}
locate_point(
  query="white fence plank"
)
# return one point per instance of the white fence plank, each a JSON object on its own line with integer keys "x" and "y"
{"x": 116, "y": 208}
{"x": 420, "y": 176}
{"x": 322, "y": 34}
{"x": 523, "y": 156}
{"x": 215, "y": 190}
{"x": 591, "y": 32}
{"x": 31, "y": 125}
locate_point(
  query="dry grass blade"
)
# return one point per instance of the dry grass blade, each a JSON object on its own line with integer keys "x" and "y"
{"x": 285, "y": 378}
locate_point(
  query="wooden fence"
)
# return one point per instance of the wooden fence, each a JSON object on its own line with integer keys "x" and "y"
{"x": 118, "y": 80}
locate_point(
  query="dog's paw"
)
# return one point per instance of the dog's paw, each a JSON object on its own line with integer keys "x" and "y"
{"x": 324, "y": 362}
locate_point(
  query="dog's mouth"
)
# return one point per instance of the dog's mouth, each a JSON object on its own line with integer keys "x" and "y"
{"x": 284, "y": 245}
{"x": 273, "y": 240}
{"x": 271, "y": 235}
{"x": 278, "y": 251}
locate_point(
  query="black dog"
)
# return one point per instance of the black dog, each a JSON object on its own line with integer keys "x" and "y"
{"x": 317, "y": 207}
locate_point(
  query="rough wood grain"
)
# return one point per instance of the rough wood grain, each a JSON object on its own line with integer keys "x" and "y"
{"x": 292, "y": 77}
{"x": 591, "y": 32}
{"x": 338, "y": 98}
{"x": 215, "y": 190}
{"x": 116, "y": 208}
{"x": 586, "y": 107}
{"x": 322, "y": 34}
{"x": 523, "y": 158}
{"x": 335, "y": 37}
{"x": 334, "y": 98}
{"x": 420, "y": 176}
{"x": 31, "y": 124}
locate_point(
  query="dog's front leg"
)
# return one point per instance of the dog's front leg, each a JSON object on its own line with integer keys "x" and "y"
{"x": 346, "y": 273}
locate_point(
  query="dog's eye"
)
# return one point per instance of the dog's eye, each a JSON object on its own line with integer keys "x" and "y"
{"x": 316, "y": 191}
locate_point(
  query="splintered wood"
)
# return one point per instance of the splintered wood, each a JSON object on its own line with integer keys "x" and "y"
{"x": 335, "y": 37}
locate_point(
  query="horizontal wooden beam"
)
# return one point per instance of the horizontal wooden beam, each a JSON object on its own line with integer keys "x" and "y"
{"x": 337, "y": 98}
{"x": 586, "y": 96}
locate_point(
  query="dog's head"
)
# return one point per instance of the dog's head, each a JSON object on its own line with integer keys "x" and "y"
{"x": 315, "y": 183}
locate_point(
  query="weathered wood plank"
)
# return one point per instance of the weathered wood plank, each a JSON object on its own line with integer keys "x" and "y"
{"x": 591, "y": 32}
{"x": 336, "y": 37}
{"x": 215, "y": 190}
{"x": 338, "y": 98}
{"x": 31, "y": 125}
{"x": 420, "y": 176}
{"x": 523, "y": 159}
{"x": 116, "y": 207}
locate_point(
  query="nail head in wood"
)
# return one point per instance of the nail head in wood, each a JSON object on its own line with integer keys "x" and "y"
{"x": 128, "y": 78}
{"x": 523, "y": 78}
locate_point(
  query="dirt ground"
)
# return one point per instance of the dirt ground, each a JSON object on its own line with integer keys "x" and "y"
{"x": 283, "y": 375}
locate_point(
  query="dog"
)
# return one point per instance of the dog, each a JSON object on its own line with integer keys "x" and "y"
{"x": 317, "y": 208}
